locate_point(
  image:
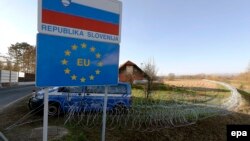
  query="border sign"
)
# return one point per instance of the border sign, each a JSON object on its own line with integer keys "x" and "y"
{"x": 65, "y": 61}
{"x": 77, "y": 44}
{"x": 97, "y": 20}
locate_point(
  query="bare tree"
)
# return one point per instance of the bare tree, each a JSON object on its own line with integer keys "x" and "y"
{"x": 171, "y": 76}
{"x": 23, "y": 55}
{"x": 16, "y": 67}
{"x": 9, "y": 65}
{"x": 150, "y": 69}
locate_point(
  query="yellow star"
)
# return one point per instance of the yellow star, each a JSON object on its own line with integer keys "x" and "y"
{"x": 67, "y": 53}
{"x": 64, "y": 62}
{"x": 100, "y": 64}
{"x": 98, "y": 55}
{"x": 67, "y": 71}
{"x": 84, "y": 45}
{"x": 91, "y": 77}
{"x": 73, "y": 77}
{"x": 97, "y": 72}
{"x": 92, "y": 49}
{"x": 83, "y": 79}
{"x": 74, "y": 47}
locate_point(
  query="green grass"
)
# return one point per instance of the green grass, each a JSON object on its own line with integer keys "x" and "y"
{"x": 166, "y": 94}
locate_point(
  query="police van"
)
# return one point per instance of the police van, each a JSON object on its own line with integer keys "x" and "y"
{"x": 83, "y": 99}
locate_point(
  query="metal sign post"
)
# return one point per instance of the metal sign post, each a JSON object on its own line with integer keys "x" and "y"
{"x": 45, "y": 115}
{"x": 104, "y": 113}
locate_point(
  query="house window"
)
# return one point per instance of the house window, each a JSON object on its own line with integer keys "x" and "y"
{"x": 129, "y": 69}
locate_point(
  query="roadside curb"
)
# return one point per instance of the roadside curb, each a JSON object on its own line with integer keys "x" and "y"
{"x": 2, "y": 137}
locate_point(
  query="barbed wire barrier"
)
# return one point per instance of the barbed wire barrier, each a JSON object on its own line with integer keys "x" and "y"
{"x": 158, "y": 112}
{"x": 26, "y": 119}
{"x": 161, "y": 110}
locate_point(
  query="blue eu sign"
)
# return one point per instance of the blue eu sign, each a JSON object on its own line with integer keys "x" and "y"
{"x": 65, "y": 61}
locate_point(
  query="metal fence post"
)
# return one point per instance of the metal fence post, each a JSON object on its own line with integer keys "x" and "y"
{"x": 104, "y": 116}
{"x": 45, "y": 115}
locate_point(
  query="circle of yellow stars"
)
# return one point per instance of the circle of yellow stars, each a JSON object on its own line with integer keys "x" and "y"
{"x": 67, "y": 70}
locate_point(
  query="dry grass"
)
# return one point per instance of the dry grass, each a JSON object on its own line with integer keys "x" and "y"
{"x": 192, "y": 83}
{"x": 239, "y": 84}
{"x": 210, "y": 92}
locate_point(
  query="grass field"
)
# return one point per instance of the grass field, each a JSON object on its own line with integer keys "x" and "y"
{"x": 149, "y": 119}
{"x": 197, "y": 91}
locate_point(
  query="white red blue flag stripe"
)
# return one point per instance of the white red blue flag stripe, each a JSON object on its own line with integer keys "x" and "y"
{"x": 56, "y": 18}
{"x": 115, "y": 7}
{"x": 86, "y": 19}
{"x": 77, "y": 9}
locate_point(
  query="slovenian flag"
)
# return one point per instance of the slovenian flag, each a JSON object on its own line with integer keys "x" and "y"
{"x": 88, "y": 15}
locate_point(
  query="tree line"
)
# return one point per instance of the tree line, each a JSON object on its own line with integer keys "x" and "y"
{"x": 21, "y": 57}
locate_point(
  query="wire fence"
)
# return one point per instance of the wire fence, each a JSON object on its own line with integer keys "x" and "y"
{"x": 146, "y": 117}
{"x": 160, "y": 111}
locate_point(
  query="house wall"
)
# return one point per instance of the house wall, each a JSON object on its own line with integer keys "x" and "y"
{"x": 126, "y": 77}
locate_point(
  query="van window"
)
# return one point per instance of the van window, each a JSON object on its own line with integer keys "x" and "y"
{"x": 75, "y": 89}
{"x": 119, "y": 89}
{"x": 63, "y": 89}
{"x": 95, "y": 89}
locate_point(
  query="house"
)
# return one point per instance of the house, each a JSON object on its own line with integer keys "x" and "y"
{"x": 130, "y": 72}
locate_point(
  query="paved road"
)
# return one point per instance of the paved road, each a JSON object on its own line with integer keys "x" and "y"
{"x": 10, "y": 95}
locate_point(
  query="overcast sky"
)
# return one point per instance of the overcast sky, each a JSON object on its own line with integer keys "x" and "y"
{"x": 183, "y": 36}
